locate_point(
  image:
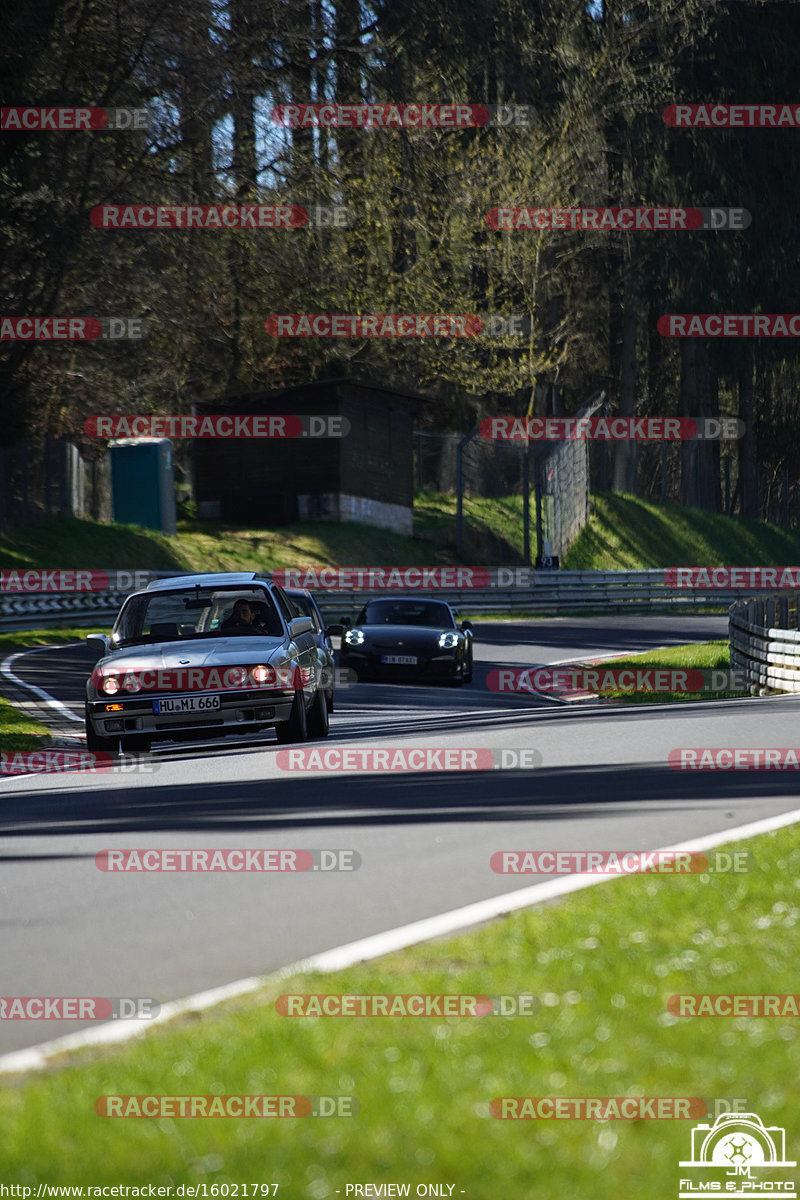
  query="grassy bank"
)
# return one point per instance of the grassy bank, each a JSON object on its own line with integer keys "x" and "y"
{"x": 491, "y": 535}
{"x": 700, "y": 656}
{"x": 623, "y": 533}
{"x": 602, "y": 963}
{"x": 627, "y": 533}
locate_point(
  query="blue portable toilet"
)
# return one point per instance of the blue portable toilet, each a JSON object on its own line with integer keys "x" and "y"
{"x": 143, "y": 483}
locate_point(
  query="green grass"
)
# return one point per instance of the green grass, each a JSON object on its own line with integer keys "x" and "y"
{"x": 29, "y": 639}
{"x": 623, "y": 533}
{"x": 627, "y": 533}
{"x": 18, "y": 732}
{"x": 701, "y": 656}
{"x": 602, "y": 962}
{"x": 491, "y": 535}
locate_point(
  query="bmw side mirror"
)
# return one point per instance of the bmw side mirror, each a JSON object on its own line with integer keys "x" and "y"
{"x": 300, "y": 625}
{"x": 98, "y": 641}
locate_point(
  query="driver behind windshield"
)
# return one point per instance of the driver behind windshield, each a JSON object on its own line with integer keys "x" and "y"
{"x": 252, "y": 617}
{"x": 242, "y": 618}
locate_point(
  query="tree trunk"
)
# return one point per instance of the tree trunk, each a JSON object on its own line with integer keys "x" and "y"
{"x": 748, "y": 488}
{"x": 699, "y": 461}
{"x": 626, "y": 454}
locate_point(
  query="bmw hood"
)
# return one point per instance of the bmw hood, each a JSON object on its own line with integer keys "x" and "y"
{"x": 211, "y": 652}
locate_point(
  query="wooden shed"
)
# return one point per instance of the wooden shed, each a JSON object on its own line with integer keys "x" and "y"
{"x": 365, "y": 476}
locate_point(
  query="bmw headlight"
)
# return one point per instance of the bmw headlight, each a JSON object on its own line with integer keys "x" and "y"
{"x": 110, "y": 685}
{"x": 354, "y": 637}
{"x": 448, "y": 641}
{"x": 262, "y": 675}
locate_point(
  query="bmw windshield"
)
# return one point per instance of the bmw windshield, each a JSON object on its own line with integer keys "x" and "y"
{"x": 191, "y": 613}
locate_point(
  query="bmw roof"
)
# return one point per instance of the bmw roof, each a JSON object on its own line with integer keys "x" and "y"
{"x": 227, "y": 578}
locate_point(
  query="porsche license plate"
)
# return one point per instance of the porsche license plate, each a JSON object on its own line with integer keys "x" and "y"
{"x": 405, "y": 660}
{"x": 183, "y": 704}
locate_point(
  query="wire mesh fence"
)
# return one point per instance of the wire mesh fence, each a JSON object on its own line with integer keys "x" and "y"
{"x": 558, "y": 472}
{"x": 47, "y": 476}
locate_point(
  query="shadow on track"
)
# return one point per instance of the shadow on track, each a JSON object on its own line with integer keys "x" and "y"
{"x": 385, "y": 799}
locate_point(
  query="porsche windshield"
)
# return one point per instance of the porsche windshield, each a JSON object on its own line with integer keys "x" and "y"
{"x": 197, "y": 613}
{"x": 431, "y": 613}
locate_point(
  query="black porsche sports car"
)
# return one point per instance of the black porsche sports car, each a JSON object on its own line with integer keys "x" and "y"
{"x": 408, "y": 638}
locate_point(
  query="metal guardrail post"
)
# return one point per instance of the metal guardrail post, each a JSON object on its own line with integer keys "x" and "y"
{"x": 771, "y": 662}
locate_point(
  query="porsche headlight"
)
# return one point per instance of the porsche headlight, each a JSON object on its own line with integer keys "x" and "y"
{"x": 448, "y": 641}
{"x": 110, "y": 685}
{"x": 354, "y": 637}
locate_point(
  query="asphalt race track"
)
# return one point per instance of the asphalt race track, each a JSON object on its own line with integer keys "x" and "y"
{"x": 424, "y": 840}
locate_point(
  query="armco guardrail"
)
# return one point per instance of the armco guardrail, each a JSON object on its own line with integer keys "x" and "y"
{"x": 543, "y": 592}
{"x": 45, "y": 610}
{"x": 555, "y": 592}
{"x": 764, "y": 634}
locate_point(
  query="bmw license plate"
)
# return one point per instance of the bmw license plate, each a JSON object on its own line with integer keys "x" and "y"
{"x": 183, "y": 704}
{"x": 405, "y": 660}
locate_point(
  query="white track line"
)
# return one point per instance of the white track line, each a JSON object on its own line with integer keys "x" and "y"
{"x": 51, "y": 702}
{"x": 45, "y": 697}
{"x": 35, "y": 1058}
